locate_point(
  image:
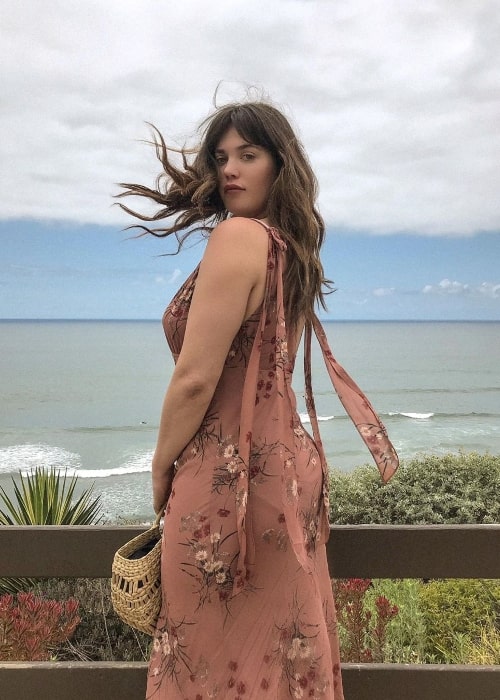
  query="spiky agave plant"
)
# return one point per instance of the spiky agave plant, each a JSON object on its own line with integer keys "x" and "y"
{"x": 46, "y": 497}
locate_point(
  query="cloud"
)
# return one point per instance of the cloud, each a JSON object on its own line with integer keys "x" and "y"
{"x": 449, "y": 287}
{"x": 488, "y": 289}
{"x": 446, "y": 286}
{"x": 174, "y": 276}
{"x": 397, "y": 103}
{"x": 383, "y": 291}
{"x": 171, "y": 279}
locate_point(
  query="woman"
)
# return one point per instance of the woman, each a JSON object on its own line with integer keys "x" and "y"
{"x": 247, "y": 606}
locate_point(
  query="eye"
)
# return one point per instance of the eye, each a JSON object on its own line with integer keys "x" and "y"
{"x": 219, "y": 157}
{"x": 248, "y": 156}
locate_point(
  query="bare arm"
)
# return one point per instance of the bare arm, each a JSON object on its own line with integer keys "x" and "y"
{"x": 229, "y": 287}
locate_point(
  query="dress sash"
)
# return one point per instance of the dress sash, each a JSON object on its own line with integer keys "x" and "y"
{"x": 357, "y": 406}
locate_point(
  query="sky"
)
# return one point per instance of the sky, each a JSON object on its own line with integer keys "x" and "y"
{"x": 397, "y": 104}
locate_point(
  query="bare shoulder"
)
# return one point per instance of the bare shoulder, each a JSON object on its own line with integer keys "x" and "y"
{"x": 240, "y": 233}
{"x": 236, "y": 253}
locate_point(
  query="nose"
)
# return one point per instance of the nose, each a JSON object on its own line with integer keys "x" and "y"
{"x": 230, "y": 168}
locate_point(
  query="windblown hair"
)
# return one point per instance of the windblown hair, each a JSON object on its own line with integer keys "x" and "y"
{"x": 191, "y": 195}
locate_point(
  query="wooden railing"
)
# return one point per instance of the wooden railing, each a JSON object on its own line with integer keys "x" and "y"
{"x": 364, "y": 551}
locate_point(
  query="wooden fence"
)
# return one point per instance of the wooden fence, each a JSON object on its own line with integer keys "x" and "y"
{"x": 364, "y": 551}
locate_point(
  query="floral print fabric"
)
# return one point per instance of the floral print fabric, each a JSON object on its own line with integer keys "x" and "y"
{"x": 247, "y": 609}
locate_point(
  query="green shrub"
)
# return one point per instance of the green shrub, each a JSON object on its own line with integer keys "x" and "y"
{"x": 429, "y": 489}
{"x": 486, "y": 649}
{"x": 455, "y": 613}
{"x": 362, "y": 630}
{"x": 405, "y": 639}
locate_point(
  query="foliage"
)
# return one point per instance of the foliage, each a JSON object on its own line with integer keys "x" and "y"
{"x": 429, "y": 489}
{"x": 485, "y": 650}
{"x": 406, "y": 637}
{"x": 455, "y": 612}
{"x": 455, "y": 621}
{"x": 405, "y": 640}
{"x": 13, "y": 586}
{"x": 46, "y": 497}
{"x": 101, "y": 635}
{"x": 30, "y": 626}
{"x": 363, "y": 634}
{"x": 460, "y": 617}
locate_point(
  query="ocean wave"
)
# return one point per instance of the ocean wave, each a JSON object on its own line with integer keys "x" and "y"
{"x": 440, "y": 390}
{"x": 24, "y": 458}
{"x": 418, "y": 416}
{"x": 426, "y": 416}
{"x": 142, "y": 426}
{"x": 412, "y": 415}
{"x": 135, "y": 465}
{"x": 304, "y": 418}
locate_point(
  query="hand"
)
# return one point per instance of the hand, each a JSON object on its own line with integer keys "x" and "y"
{"x": 162, "y": 488}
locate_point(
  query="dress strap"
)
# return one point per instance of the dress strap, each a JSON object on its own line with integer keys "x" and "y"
{"x": 273, "y": 233}
{"x": 272, "y": 308}
{"x": 356, "y": 404}
{"x": 246, "y": 554}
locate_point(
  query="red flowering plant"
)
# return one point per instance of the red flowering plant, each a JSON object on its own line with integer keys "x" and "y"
{"x": 364, "y": 633}
{"x": 31, "y": 627}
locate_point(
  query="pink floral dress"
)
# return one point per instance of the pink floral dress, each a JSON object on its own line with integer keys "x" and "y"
{"x": 247, "y": 610}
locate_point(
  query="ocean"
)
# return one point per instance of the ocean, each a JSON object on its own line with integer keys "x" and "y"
{"x": 86, "y": 396}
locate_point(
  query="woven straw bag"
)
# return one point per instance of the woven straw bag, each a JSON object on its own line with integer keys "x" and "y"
{"x": 135, "y": 580}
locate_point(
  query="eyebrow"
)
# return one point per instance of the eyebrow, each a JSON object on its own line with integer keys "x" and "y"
{"x": 239, "y": 148}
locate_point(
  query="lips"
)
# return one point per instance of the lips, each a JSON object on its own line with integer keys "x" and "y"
{"x": 233, "y": 188}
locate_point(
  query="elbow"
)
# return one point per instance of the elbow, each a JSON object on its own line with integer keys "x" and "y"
{"x": 196, "y": 387}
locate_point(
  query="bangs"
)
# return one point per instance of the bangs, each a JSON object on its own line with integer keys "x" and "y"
{"x": 250, "y": 127}
{"x": 247, "y": 123}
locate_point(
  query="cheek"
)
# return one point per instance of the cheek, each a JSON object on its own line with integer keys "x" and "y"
{"x": 271, "y": 177}
{"x": 273, "y": 173}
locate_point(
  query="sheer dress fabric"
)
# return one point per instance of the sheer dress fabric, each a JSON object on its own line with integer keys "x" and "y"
{"x": 247, "y": 610}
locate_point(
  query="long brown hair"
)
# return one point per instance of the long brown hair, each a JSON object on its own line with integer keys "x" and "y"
{"x": 191, "y": 195}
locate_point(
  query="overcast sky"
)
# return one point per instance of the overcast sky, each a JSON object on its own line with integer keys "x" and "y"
{"x": 397, "y": 103}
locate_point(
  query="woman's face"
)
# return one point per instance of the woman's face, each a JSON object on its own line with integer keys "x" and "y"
{"x": 245, "y": 174}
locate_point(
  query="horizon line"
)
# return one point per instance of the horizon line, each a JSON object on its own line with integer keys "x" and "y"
{"x": 323, "y": 320}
